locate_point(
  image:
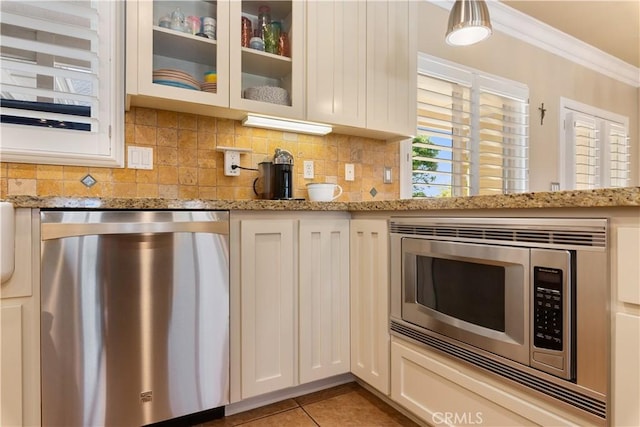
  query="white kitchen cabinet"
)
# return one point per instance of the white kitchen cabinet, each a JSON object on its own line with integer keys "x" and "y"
{"x": 626, "y": 326}
{"x": 361, "y": 65}
{"x": 294, "y": 303}
{"x": 351, "y": 64}
{"x": 324, "y": 299}
{"x": 268, "y": 306}
{"x": 369, "y": 250}
{"x": 152, "y": 47}
{"x": 391, "y": 66}
{"x": 443, "y": 392}
{"x": 337, "y": 62}
{"x": 20, "y": 332}
{"x": 253, "y": 68}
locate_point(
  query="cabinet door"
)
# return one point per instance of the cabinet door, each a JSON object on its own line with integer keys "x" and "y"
{"x": 336, "y": 62}
{"x": 20, "y": 331}
{"x": 11, "y": 365}
{"x": 251, "y": 68}
{"x": 324, "y": 299}
{"x": 151, "y": 47}
{"x": 370, "y": 302}
{"x": 625, "y": 346}
{"x": 268, "y": 315}
{"x": 442, "y": 394}
{"x": 391, "y": 66}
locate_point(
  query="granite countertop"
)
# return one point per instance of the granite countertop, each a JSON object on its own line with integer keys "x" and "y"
{"x": 610, "y": 197}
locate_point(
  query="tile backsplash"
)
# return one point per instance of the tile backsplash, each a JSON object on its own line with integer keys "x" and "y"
{"x": 186, "y": 164}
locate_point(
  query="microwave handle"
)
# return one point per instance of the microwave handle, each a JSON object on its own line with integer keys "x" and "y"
{"x": 500, "y": 255}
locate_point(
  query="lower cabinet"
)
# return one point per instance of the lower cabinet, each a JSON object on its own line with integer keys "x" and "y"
{"x": 268, "y": 309}
{"x": 324, "y": 299}
{"x": 443, "y": 392}
{"x": 370, "y": 302}
{"x": 625, "y": 307}
{"x": 294, "y": 302}
{"x": 20, "y": 333}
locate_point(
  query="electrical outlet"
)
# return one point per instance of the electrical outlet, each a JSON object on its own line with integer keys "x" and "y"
{"x": 231, "y": 158}
{"x": 349, "y": 172}
{"x": 308, "y": 169}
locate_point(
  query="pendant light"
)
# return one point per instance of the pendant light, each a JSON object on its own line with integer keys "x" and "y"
{"x": 468, "y": 23}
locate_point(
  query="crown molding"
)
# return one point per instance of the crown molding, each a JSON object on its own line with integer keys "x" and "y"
{"x": 518, "y": 25}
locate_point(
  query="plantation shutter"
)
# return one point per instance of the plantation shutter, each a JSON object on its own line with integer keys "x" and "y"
{"x": 472, "y": 135}
{"x": 584, "y": 152}
{"x": 58, "y": 76}
{"x": 503, "y": 138}
{"x": 618, "y": 161}
{"x": 443, "y": 161}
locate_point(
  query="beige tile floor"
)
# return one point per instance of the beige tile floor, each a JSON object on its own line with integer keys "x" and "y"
{"x": 344, "y": 405}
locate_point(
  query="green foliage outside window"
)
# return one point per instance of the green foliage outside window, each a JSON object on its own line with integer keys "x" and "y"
{"x": 422, "y": 166}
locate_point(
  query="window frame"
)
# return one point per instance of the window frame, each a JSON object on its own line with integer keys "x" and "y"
{"x": 603, "y": 119}
{"x": 104, "y": 148}
{"x": 478, "y": 81}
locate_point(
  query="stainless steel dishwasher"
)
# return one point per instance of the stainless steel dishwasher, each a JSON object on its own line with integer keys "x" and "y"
{"x": 134, "y": 316}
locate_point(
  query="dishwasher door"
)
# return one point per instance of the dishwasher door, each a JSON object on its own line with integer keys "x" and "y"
{"x": 134, "y": 316}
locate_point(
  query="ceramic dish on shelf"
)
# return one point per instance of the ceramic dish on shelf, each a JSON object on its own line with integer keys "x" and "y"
{"x": 271, "y": 94}
{"x": 176, "y": 84}
{"x": 176, "y": 76}
{"x": 209, "y": 87}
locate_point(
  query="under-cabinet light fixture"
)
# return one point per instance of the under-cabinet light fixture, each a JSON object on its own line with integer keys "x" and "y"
{"x": 254, "y": 120}
{"x": 469, "y": 23}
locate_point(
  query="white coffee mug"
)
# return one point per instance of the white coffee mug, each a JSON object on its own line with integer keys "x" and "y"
{"x": 323, "y": 192}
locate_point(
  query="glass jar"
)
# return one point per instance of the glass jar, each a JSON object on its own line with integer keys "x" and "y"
{"x": 178, "y": 21}
{"x": 271, "y": 37}
{"x": 209, "y": 27}
{"x": 264, "y": 18}
{"x": 283, "y": 45}
{"x": 246, "y": 32}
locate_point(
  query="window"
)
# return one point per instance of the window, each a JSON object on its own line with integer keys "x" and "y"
{"x": 595, "y": 148}
{"x": 62, "y": 97}
{"x": 472, "y": 135}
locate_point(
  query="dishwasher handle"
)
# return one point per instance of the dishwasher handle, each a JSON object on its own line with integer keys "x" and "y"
{"x": 50, "y": 231}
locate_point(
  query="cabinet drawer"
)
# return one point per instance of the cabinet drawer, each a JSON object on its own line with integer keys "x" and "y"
{"x": 441, "y": 393}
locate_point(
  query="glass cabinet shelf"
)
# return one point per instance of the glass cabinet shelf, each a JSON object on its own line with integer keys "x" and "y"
{"x": 183, "y": 46}
{"x": 265, "y": 64}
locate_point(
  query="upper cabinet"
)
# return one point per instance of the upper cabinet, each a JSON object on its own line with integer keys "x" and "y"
{"x": 177, "y": 64}
{"x": 351, "y": 64}
{"x": 337, "y": 62}
{"x": 268, "y": 75}
{"x": 392, "y": 66}
{"x": 178, "y": 52}
{"x": 361, "y": 65}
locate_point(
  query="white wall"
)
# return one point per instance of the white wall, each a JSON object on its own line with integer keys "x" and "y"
{"x": 549, "y": 78}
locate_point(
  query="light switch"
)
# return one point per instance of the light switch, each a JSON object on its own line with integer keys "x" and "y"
{"x": 139, "y": 157}
{"x": 388, "y": 177}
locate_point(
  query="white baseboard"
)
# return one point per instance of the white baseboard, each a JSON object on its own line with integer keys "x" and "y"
{"x": 277, "y": 396}
{"x": 387, "y": 399}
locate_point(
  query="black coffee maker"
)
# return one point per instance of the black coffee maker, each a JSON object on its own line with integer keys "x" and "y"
{"x": 282, "y": 172}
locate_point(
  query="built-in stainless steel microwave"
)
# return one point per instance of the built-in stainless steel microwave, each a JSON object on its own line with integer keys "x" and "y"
{"x": 520, "y": 292}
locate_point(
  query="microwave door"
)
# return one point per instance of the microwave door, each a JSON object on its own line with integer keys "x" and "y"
{"x": 473, "y": 293}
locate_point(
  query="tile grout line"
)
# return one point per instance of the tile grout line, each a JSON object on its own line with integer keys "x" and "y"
{"x": 309, "y": 415}
{"x": 297, "y": 405}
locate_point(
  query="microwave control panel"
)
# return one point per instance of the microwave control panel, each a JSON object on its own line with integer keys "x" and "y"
{"x": 548, "y": 328}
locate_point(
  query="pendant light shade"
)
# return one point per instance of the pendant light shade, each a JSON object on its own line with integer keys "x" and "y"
{"x": 468, "y": 23}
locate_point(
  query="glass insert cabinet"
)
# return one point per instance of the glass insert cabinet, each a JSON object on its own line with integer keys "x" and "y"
{"x": 195, "y": 56}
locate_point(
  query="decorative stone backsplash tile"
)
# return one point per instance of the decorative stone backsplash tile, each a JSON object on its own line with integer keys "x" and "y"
{"x": 187, "y": 165}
